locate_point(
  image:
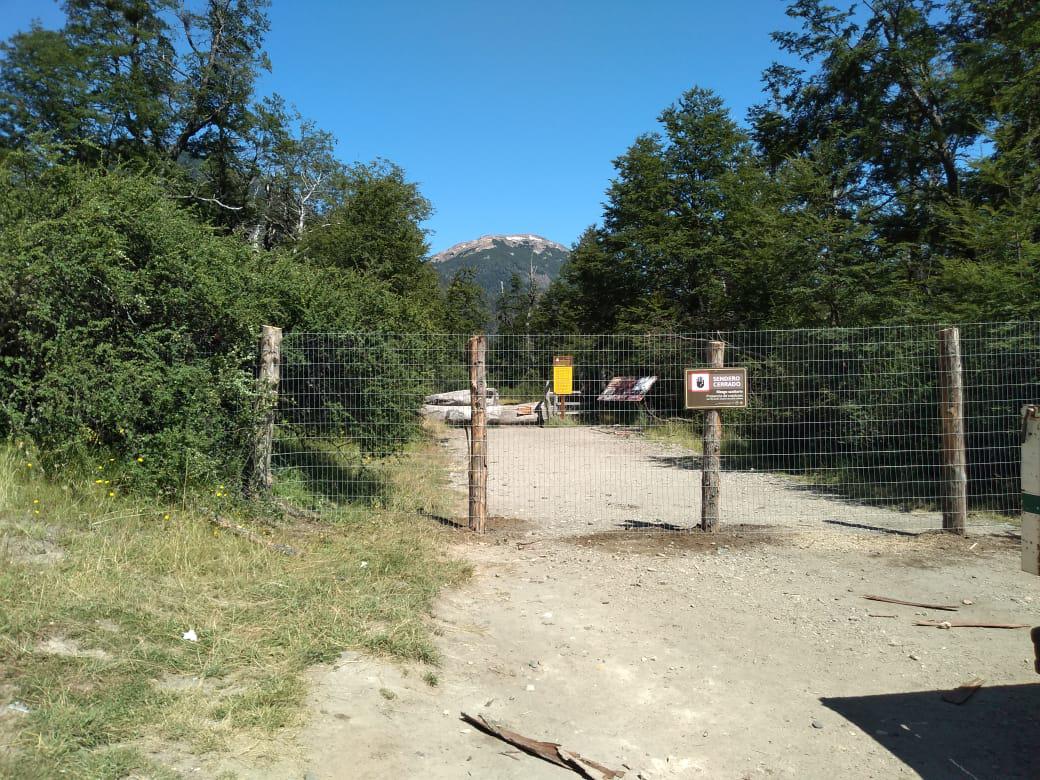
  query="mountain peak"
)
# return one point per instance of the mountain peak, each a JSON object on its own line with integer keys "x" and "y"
{"x": 536, "y": 244}
{"x": 495, "y": 258}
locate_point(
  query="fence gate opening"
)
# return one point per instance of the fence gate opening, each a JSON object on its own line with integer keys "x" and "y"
{"x": 896, "y": 428}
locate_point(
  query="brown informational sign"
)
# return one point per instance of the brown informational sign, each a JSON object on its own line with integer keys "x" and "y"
{"x": 627, "y": 388}
{"x": 716, "y": 388}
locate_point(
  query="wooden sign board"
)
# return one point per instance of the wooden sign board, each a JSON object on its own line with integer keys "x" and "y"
{"x": 716, "y": 388}
{"x": 563, "y": 374}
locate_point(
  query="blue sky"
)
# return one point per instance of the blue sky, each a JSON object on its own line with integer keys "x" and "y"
{"x": 508, "y": 114}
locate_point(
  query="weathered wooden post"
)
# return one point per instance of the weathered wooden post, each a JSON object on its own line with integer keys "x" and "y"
{"x": 710, "y": 450}
{"x": 268, "y": 376}
{"x": 477, "y": 349}
{"x": 954, "y": 454}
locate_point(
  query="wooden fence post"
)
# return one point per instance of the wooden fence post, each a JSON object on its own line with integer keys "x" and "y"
{"x": 954, "y": 454}
{"x": 710, "y": 450}
{"x": 268, "y": 376}
{"x": 477, "y": 348}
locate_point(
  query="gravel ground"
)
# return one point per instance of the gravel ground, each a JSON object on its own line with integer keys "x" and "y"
{"x": 735, "y": 655}
{"x": 579, "y": 479}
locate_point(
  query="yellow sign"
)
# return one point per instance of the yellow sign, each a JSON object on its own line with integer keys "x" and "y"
{"x": 563, "y": 374}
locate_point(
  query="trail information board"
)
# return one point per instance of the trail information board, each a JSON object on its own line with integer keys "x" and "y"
{"x": 627, "y": 388}
{"x": 563, "y": 374}
{"x": 716, "y": 388}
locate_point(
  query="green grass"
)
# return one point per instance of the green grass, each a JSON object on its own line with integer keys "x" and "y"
{"x": 688, "y": 434}
{"x": 97, "y": 591}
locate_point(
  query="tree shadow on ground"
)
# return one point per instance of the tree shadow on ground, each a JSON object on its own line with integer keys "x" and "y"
{"x": 647, "y": 525}
{"x": 327, "y": 475}
{"x": 995, "y": 734}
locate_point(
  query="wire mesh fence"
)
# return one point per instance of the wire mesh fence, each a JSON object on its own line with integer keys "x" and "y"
{"x": 842, "y": 426}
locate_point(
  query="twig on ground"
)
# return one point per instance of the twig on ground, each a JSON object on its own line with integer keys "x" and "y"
{"x": 963, "y": 692}
{"x": 887, "y": 600}
{"x": 966, "y": 624}
{"x": 252, "y": 536}
{"x": 547, "y": 751}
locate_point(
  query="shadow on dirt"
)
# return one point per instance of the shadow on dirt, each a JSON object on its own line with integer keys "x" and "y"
{"x": 653, "y": 538}
{"x": 993, "y": 735}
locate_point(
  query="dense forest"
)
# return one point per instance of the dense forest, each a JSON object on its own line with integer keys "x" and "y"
{"x": 155, "y": 209}
{"x": 890, "y": 174}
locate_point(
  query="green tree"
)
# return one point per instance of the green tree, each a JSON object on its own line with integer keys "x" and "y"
{"x": 514, "y": 306}
{"x": 377, "y": 231}
{"x": 465, "y": 304}
{"x": 881, "y": 107}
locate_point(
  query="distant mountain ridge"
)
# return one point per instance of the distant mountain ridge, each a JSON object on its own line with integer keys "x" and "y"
{"x": 495, "y": 258}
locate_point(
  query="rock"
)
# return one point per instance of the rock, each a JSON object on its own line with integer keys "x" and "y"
{"x": 816, "y": 724}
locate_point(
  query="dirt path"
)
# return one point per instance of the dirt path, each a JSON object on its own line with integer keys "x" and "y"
{"x": 576, "y": 479}
{"x": 755, "y": 656}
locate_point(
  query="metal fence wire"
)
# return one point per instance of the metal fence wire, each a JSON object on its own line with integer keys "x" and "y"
{"x": 842, "y": 425}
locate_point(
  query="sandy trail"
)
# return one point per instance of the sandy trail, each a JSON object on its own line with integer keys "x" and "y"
{"x": 573, "y": 480}
{"x": 676, "y": 656}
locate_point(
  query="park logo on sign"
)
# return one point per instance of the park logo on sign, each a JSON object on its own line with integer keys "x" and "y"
{"x": 700, "y": 383}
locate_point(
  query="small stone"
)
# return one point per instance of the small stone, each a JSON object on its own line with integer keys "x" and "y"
{"x": 816, "y": 724}
{"x": 530, "y": 687}
{"x": 967, "y": 602}
{"x": 914, "y": 657}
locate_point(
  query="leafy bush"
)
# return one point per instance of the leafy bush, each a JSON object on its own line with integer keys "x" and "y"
{"x": 125, "y": 325}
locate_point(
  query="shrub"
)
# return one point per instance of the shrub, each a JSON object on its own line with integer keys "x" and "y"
{"x": 125, "y": 326}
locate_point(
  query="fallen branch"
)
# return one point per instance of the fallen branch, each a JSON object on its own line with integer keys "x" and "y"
{"x": 547, "y": 751}
{"x": 963, "y": 692}
{"x": 252, "y": 536}
{"x": 296, "y": 511}
{"x": 522, "y": 545}
{"x": 966, "y": 624}
{"x": 887, "y": 600}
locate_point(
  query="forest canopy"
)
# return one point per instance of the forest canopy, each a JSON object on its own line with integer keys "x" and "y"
{"x": 890, "y": 173}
